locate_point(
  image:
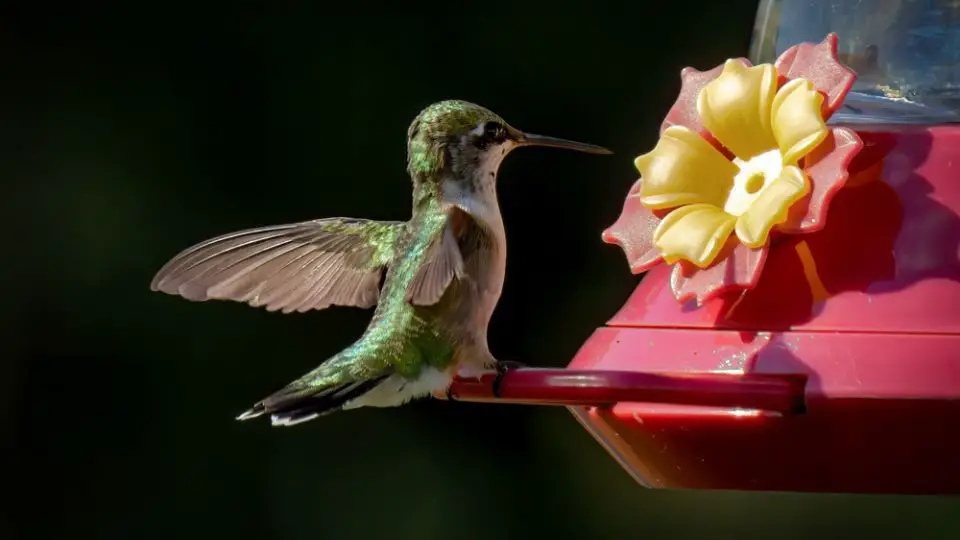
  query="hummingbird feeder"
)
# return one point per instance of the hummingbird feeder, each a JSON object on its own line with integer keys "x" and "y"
{"x": 798, "y": 224}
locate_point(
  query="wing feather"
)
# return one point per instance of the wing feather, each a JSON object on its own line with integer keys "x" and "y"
{"x": 291, "y": 267}
{"x": 446, "y": 258}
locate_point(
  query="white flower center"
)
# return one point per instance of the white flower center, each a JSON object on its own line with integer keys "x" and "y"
{"x": 755, "y": 175}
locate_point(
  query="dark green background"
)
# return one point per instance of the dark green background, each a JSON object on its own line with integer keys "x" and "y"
{"x": 131, "y": 132}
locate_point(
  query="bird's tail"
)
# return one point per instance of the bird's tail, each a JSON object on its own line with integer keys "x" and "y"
{"x": 304, "y": 399}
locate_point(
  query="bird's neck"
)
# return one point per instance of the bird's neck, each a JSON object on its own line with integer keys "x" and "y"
{"x": 475, "y": 193}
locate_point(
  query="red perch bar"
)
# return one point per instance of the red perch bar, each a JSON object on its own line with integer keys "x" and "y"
{"x": 780, "y": 394}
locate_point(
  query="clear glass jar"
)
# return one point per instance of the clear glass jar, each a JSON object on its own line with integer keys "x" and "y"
{"x": 906, "y": 53}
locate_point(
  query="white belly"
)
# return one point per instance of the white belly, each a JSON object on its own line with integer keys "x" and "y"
{"x": 395, "y": 390}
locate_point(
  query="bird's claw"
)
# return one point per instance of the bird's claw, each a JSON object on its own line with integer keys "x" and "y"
{"x": 502, "y": 368}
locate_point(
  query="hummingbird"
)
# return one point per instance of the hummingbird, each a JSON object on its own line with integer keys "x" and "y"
{"x": 444, "y": 271}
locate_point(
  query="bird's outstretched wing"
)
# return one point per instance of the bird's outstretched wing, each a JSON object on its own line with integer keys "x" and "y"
{"x": 453, "y": 253}
{"x": 293, "y": 267}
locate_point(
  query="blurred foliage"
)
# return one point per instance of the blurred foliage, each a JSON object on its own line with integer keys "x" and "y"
{"x": 131, "y": 131}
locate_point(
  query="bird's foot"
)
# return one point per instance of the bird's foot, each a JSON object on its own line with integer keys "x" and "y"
{"x": 502, "y": 368}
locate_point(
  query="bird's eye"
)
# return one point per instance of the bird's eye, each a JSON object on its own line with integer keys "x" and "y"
{"x": 493, "y": 131}
{"x": 488, "y": 134}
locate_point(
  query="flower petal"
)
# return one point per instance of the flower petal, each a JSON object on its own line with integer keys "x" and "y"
{"x": 827, "y": 169}
{"x": 796, "y": 121}
{"x": 633, "y": 232}
{"x": 694, "y": 233}
{"x": 684, "y": 169}
{"x": 684, "y": 110}
{"x": 738, "y": 269}
{"x": 772, "y": 206}
{"x": 735, "y": 107}
{"x": 819, "y": 64}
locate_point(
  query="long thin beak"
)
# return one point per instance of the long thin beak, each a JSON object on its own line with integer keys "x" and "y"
{"x": 528, "y": 139}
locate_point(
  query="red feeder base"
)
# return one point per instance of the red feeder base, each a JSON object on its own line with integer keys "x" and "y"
{"x": 868, "y": 426}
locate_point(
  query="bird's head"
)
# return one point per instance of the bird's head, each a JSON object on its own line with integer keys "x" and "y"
{"x": 465, "y": 139}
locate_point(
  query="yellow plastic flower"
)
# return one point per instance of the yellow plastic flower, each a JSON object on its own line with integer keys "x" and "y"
{"x": 710, "y": 197}
{"x": 744, "y": 154}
